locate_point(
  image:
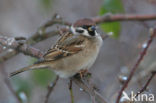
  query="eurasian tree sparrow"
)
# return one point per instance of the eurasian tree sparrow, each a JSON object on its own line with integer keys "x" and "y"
{"x": 75, "y": 51}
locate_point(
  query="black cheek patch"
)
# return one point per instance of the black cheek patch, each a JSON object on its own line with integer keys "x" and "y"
{"x": 79, "y": 31}
{"x": 92, "y": 33}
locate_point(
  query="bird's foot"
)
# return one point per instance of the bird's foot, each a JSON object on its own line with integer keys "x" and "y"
{"x": 83, "y": 74}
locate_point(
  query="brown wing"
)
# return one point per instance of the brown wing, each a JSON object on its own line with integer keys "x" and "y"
{"x": 67, "y": 45}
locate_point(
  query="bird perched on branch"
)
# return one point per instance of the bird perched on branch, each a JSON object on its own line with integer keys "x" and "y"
{"x": 75, "y": 51}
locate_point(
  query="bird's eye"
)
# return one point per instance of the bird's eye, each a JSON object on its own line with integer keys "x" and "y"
{"x": 79, "y": 31}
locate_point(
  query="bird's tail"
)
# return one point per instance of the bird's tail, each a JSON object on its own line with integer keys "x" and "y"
{"x": 31, "y": 67}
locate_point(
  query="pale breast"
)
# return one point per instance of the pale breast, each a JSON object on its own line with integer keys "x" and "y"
{"x": 83, "y": 60}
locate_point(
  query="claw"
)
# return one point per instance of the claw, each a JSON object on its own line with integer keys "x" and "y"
{"x": 84, "y": 73}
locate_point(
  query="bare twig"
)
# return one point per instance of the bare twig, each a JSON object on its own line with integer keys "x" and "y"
{"x": 144, "y": 73}
{"x": 7, "y": 82}
{"x": 109, "y": 18}
{"x": 141, "y": 57}
{"x": 38, "y": 36}
{"x": 28, "y": 50}
{"x": 106, "y": 18}
{"x": 56, "y": 19}
{"x": 13, "y": 44}
{"x": 91, "y": 91}
{"x": 31, "y": 41}
{"x": 50, "y": 89}
{"x": 147, "y": 83}
{"x": 31, "y": 52}
{"x": 8, "y": 55}
{"x": 124, "y": 17}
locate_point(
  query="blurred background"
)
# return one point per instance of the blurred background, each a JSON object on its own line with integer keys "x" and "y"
{"x": 117, "y": 56}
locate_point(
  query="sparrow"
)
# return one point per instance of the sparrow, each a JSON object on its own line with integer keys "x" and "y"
{"x": 76, "y": 50}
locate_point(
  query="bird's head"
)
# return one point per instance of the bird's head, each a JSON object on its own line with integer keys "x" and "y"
{"x": 86, "y": 27}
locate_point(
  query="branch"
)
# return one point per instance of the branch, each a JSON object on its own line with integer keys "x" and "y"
{"x": 13, "y": 44}
{"x": 91, "y": 91}
{"x": 123, "y": 17}
{"x": 147, "y": 83}
{"x": 108, "y": 18}
{"x": 41, "y": 35}
{"x": 141, "y": 57}
{"x": 50, "y": 89}
{"x": 56, "y": 19}
{"x": 31, "y": 41}
{"x": 38, "y": 36}
{"x": 28, "y": 50}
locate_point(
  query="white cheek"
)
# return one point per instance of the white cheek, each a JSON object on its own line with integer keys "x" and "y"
{"x": 85, "y": 33}
{"x": 96, "y": 34}
{"x": 73, "y": 30}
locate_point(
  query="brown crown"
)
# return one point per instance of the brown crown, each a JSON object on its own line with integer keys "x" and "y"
{"x": 85, "y": 21}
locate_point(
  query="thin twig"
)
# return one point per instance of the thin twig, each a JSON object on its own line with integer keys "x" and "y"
{"x": 124, "y": 17}
{"x": 141, "y": 57}
{"x": 27, "y": 51}
{"x": 31, "y": 41}
{"x": 56, "y": 19}
{"x": 107, "y": 18}
{"x": 91, "y": 91}
{"x": 8, "y": 84}
{"x": 50, "y": 89}
{"x": 38, "y": 54}
{"x": 147, "y": 83}
{"x": 37, "y": 36}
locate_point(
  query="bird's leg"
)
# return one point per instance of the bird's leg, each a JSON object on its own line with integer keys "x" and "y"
{"x": 85, "y": 77}
{"x": 84, "y": 73}
{"x": 71, "y": 91}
